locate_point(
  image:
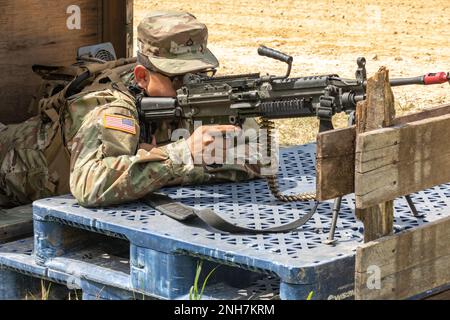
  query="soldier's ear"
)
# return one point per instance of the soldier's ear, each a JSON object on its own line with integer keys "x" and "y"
{"x": 142, "y": 76}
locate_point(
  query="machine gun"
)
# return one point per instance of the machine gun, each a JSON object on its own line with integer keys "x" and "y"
{"x": 232, "y": 99}
{"x": 235, "y": 98}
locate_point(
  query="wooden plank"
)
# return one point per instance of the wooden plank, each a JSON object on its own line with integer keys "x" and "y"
{"x": 16, "y": 223}
{"x": 409, "y": 263}
{"x": 340, "y": 162}
{"x": 398, "y": 161}
{"x": 376, "y": 112}
{"x": 424, "y": 114}
{"x": 335, "y": 164}
{"x": 44, "y": 38}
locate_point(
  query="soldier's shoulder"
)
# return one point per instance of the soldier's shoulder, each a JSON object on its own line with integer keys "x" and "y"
{"x": 102, "y": 97}
{"x": 88, "y": 101}
{"x": 94, "y": 103}
{"x": 125, "y": 97}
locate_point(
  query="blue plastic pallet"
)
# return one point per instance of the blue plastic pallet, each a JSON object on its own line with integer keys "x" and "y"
{"x": 99, "y": 275}
{"x": 164, "y": 251}
{"x": 21, "y": 276}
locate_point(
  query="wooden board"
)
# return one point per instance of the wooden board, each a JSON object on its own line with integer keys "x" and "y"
{"x": 35, "y": 32}
{"x": 409, "y": 263}
{"x": 425, "y": 114}
{"x": 341, "y": 161}
{"x": 335, "y": 163}
{"x": 398, "y": 161}
{"x": 16, "y": 223}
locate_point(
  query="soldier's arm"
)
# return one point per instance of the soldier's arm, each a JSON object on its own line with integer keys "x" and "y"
{"x": 107, "y": 168}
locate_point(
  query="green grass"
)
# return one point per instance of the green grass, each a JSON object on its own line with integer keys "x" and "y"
{"x": 195, "y": 293}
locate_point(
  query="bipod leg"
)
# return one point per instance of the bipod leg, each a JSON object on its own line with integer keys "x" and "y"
{"x": 336, "y": 209}
{"x": 413, "y": 208}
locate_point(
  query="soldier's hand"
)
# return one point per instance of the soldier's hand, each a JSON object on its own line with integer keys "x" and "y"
{"x": 206, "y": 135}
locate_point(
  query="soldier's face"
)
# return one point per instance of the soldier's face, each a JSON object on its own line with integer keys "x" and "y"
{"x": 154, "y": 84}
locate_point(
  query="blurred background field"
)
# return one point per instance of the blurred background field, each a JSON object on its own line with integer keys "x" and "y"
{"x": 325, "y": 37}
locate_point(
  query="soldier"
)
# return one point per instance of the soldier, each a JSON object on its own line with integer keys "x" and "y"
{"x": 94, "y": 138}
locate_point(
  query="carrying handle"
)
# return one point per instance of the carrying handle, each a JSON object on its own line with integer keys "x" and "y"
{"x": 274, "y": 54}
{"x": 277, "y": 55}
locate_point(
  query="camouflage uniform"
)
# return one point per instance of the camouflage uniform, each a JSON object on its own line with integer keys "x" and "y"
{"x": 23, "y": 169}
{"x": 174, "y": 44}
{"x": 101, "y": 130}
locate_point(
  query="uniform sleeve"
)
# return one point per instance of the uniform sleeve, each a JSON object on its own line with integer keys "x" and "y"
{"x": 107, "y": 168}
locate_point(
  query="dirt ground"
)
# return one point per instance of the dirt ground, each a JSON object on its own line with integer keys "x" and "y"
{"x": 410, "y": 37}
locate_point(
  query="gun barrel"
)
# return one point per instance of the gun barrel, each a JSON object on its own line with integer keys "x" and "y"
{"x": 407, "y": 81}
{"x": 428, "y": 79}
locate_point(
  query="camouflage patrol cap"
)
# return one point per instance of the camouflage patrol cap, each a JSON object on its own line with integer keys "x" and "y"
{"x": 174, "y": 43}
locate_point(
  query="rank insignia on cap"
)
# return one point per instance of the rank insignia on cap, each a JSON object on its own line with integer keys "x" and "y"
{"x": 120, "y": 123}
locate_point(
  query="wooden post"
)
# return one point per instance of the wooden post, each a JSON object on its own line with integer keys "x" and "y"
{"x": 130, "y": 26}
{"x": 117, "y": 25}
{"x": 376, "y": 112}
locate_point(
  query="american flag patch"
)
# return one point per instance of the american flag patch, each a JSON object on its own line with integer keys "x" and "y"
{"x": 120, "y": 123}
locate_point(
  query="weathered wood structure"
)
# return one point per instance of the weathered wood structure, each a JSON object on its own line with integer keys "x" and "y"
{"x": 401, "y": 160}
{"x": 380, "y": 159}
{"x": 336, "y": 150}
{"x": 49, "y": 33}
{"x": 408, "y": 264}
{"x": 376, "y": 112}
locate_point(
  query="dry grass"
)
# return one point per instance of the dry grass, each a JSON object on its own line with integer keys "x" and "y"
{"x": 49, "y": 291}
{"x": 44, "y": 293}
{"x": 326, "y": 36}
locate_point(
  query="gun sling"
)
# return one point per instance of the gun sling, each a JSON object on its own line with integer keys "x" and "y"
{"x": 183, "y": 213}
